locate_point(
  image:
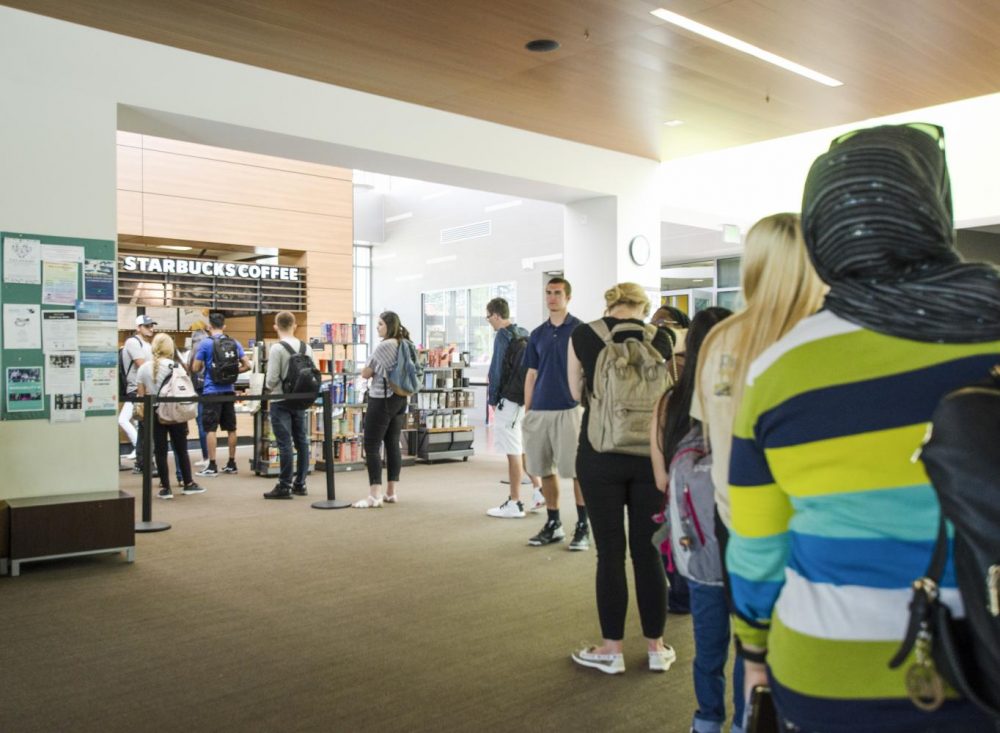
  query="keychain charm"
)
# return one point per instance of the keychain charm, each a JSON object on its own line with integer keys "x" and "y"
{"x": 924, "y": 685}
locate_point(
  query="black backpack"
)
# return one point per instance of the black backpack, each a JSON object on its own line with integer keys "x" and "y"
{"x": 963, "y": 461}
{"x": 301, "y": 376}
{"x": 225, "y": 361}
{"x": 512, "y": 369}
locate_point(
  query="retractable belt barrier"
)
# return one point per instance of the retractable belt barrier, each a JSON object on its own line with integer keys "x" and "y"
{"x": 149, "y": 403}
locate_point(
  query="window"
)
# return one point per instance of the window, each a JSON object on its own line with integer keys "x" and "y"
{"x": 694, "y": 286}
{"x": 363, "y": 290}
{"x": 458, "y": 317}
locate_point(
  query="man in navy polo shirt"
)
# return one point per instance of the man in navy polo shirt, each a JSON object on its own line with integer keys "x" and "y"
{"x": 551, "y": 422}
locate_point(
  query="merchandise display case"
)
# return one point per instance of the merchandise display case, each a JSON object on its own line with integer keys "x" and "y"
{"x": 440, "y": 415}
{"x": 342, "y": 367}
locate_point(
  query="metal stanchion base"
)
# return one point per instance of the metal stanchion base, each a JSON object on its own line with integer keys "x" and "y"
{"x": 151, "y": 526}
{"x": 331, "y": 504}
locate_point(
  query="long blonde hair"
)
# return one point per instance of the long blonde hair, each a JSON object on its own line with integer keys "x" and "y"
{"x": 780, "y": 288}
{"x": 163, "y": 348}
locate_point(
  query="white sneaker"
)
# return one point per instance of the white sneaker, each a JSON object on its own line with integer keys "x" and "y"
{"x": 510, "y": 509}
{"x": 662, "y": 660}
{"x": 130, "y": 456}
{"x": 607, "y": 663}
{"x": 537, "y": 502}
{"x": 201, "y": 464}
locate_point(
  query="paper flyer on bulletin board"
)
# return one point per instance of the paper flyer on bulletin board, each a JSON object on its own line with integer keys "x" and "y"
{"x": 59, "y": 318}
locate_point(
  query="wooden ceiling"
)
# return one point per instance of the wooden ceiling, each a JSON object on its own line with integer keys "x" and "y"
{"x": 620, "y": 72}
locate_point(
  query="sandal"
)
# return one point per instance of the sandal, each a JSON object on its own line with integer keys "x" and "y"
{"x": 367, "y": 503}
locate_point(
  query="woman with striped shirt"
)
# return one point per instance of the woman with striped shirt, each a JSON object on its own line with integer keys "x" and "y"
{"x": 831, "y": 521}
{"x": 384, "y": 416}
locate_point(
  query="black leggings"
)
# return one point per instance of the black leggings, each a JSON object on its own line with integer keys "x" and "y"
{"x": 612, "y": 483}
{"x": 178, "y": 436}
{"x": 383, "y": 424}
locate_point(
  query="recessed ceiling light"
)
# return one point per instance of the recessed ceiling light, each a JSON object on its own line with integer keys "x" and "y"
{"x": 673, "y": 123}
{"x": 542, "y": 45}
{"x": 699, "y": 280}
{"x": 175, "y": 247}
{"x": 744, "y": 47}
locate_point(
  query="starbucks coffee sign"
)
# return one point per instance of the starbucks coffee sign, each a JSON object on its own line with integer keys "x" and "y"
{"x": 207, "y": 268}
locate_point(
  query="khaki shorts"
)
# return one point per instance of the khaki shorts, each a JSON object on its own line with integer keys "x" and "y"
{"x": 550, "y": 441}
{"x": 507, "y": 428}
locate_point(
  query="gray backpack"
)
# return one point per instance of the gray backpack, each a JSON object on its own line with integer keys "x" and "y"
{"x": 691, "y": 511}
{"x": 629, "y": 379}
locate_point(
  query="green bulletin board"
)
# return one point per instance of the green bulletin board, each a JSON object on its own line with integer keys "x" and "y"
{"x": 59, "y": 327}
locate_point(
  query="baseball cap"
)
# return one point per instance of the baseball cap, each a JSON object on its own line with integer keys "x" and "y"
{"x": 144, "y": 321}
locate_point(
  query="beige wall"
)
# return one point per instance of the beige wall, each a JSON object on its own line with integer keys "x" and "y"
{"x": 182, "y": 191}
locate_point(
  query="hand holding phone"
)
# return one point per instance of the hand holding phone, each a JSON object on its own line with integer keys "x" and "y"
{"x": 763, "y": 718}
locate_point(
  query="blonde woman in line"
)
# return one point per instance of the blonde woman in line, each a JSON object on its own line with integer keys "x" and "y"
{"x": 780, "y": 288}
{"x": 148, "y": 381}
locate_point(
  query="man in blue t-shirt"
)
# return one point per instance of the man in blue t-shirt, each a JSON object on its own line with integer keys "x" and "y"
{"x": 551, "y": 422}
{"x": 218, "y": 414}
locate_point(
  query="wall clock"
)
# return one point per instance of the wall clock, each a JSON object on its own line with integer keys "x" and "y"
{"x": 638, "y": 250}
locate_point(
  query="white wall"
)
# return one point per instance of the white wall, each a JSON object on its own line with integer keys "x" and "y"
{"x": 534, "y": 228}
{"x": 741, "y": 185}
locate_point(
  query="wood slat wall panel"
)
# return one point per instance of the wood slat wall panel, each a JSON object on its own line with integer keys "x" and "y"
{"x": 602, "y": 87}
{"x": 185, "y": 176}
{"x": 150, "y": 142}
{"x": 206, "y": 195}
{"x": 129, "y": 168}
{"x": 210, "y": 221}
{"x": 129, "y": 212}
{"x": 130, "y": 139}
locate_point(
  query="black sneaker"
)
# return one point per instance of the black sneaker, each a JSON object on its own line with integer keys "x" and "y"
{"x": 193, "y": 488}
{"x": 300, "y": 491}
{"x": 230, "y": 467}
{"x": 165, "y": 494}
{"x": 581, "y": 538}
{"x": 551, "y": 532}
{"x": 209, "y": 470}
{"x": 278, "y": 492}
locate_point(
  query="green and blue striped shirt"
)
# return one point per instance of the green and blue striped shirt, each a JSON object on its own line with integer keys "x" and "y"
{"x": 832, "y": 520}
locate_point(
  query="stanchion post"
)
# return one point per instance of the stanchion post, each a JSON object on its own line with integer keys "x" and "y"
{"x": 147, "y": 524}
{"x": 331, "y": 499}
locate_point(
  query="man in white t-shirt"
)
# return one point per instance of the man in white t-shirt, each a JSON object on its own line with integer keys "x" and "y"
{"x": 137, "y": 351}
{"x": 506, "y": 395}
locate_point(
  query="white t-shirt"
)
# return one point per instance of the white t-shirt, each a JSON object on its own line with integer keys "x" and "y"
{"x": 135, "y": 348}
{"x": 713, "y": 403}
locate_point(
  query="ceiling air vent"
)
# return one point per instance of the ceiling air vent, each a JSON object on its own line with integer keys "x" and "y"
{"x": 467, "y": 231}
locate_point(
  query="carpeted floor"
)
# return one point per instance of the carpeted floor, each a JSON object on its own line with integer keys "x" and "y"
{"x": 272, "y": 616}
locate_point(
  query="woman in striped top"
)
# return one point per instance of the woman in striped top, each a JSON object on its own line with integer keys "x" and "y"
{"x": 384, "y": 417}
{"x": 831, "y": 520}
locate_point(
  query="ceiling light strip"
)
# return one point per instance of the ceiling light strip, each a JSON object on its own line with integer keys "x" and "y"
{"x": 504, "y": 205}
{"x": 744, "y": 47}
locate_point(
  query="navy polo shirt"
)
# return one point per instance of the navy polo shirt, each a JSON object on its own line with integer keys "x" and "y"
{"x": 547, "y": 354}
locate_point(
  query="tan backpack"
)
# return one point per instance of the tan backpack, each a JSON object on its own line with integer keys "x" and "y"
{"x": 629, "y": 379}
